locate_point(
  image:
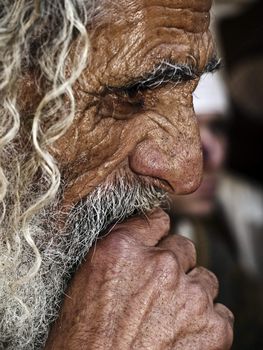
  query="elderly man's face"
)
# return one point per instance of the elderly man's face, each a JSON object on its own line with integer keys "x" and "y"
{"x": 134, "y": 107}
{"x": 134, "y": 132}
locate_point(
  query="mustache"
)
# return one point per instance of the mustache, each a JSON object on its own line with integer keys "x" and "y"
{"x": 119, "y": 198}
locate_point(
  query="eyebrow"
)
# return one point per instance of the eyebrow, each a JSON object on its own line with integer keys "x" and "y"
{"x": 167, "y": 72}
{"x": 214, "y": 64}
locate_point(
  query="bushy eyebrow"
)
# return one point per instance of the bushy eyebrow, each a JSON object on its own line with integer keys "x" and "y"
{"x": 213, "y": 65}
{"x": 163, "y": 73}
{"x": 167, "y": 72}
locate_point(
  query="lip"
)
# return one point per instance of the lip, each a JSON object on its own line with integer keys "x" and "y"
{"x": 158, "y": 183}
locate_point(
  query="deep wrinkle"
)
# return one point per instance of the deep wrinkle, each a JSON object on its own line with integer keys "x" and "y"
{"x": 166, "y": 72}
{"x": 128, "y": 100}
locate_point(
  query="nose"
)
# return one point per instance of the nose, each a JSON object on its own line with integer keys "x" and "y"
{"x": 175, "y": 158}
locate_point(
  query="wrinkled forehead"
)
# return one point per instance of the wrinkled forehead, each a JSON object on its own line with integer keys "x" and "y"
{"x": 142, "y": 33}
{"x": 185, "y": 15}
{"x": 127, "y": 8}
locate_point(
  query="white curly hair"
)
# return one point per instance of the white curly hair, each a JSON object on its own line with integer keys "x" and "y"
{"x": 36, "y": 38}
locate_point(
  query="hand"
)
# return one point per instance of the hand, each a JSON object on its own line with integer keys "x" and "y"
{"x": 139, "y": 290}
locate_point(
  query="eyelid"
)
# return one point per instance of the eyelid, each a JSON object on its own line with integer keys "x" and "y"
{"x": 155, "y": 83}
{"x": 118, "y": 106}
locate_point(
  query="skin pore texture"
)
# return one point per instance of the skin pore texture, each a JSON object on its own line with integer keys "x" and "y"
{"x": 159, "y": 139}
{"x": 134, "y": 137}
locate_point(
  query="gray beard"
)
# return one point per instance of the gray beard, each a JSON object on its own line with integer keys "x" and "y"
{"x": 28, "y": 309}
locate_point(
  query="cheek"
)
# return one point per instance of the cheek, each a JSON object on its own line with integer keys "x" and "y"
{"x": 94, "y": 147}
{"x": 160, "y": 142}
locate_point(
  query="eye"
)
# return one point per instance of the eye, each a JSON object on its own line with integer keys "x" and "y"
{"x": 121, "y": 104}
{"x": 133, "y": 91}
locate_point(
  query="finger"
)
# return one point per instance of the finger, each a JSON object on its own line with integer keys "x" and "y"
{"x": 207, "y": 280}
{"x": 183, "y": 249}
{"x": 224, "y": 312}
{"x": 224, "y": 326}
{"x": 148, "y": 230}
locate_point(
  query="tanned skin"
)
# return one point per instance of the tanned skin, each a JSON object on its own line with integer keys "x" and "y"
{"x": 138, "y": 289}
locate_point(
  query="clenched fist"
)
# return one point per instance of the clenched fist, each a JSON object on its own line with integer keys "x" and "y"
{"x": 139, "y": 289}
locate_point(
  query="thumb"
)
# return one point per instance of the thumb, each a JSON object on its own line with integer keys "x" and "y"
{"x": 148, "y": 229}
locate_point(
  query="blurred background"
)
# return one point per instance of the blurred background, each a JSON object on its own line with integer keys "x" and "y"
{"x": 225, "y": 215}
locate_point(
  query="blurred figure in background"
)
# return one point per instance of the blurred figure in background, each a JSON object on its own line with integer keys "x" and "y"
{"x": 224, "y": 217}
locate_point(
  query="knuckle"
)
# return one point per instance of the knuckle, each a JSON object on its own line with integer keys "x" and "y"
{"x": 163, "y": 218}
{"x": 167, "y": 260}
{"x": 115, "y": 244}
{"x": 191, "y": 252}
{"x": 223, "y": 326}
{"x": 207, "y": 278}
{"x": 167, "y": 266}
{"x": 220, "y": 325}
{"x": 187, "y": 247}
{"x": 229, "y": 336}
{"x": 210, "y": 276}
{"x": 199, "y": 299}
{"x": 190, "y": 246}
{"x": 186, "y": 243}
{"x": 224, "y": 333}
{"x": 165, "y": 222}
